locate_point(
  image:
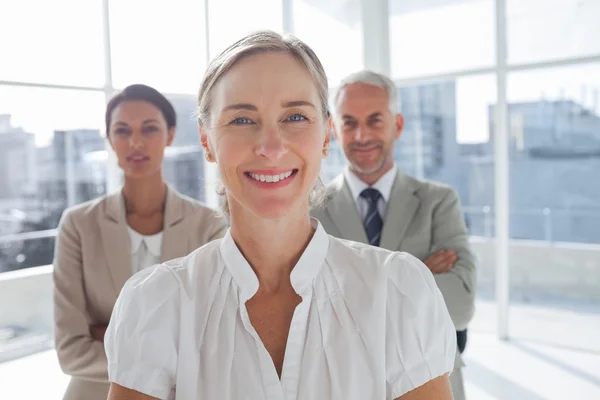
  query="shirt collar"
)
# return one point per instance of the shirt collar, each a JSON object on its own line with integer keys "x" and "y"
{"x": 302, "y": 276}
{"x": 153, "y": 242}
{"x": 384, "y": 184}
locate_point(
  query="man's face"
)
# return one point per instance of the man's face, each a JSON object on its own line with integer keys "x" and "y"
{"x": 367, "y": 129}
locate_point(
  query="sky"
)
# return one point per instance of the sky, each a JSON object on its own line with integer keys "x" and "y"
{"x": 162, "y": 45}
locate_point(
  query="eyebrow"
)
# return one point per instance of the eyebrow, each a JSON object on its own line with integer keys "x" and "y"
{"x": 148, "y": 121}
{"x": 374, "y": 115}
{"x": 250, "y": 107}
{"x": 240, "y": 106}
{"x": 299, "y": 103}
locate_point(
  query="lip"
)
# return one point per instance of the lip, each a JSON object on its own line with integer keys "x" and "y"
{"x": 138, "y": 158}
{"x": 365, "y": 150}
{"x": 271, "y": 185}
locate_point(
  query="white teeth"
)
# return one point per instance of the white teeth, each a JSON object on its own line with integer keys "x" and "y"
{"x": 271, "y": 178}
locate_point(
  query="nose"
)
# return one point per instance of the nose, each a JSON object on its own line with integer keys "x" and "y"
{"x": 136, "y": 140}
{"x": 361, "y": 133}
{"x": 271, "y": 145}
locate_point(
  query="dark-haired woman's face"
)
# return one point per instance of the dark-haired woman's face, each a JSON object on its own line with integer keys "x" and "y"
{"x": 138, "y": 134}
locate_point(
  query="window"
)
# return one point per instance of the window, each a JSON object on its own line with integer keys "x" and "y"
{"x": 51, "y": 157}
{"x": 160, "y": 44}
{"x": 183, "y": 165}
{"x": 229, "y": 20}
{"x": 332, "y": 30}
{"x": 440, "y": 36}
{"x": 542, "y": 30}
{"x": 41, "y": 41}
{"x": 554, "y": 116}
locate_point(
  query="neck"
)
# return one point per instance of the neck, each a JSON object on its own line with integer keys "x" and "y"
{"x": 272, "y": 247}
{"x": 145, "y": 196}
{"x": 373, "y": 177}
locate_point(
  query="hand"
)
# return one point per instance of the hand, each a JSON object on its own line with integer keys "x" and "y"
{"x": 98, "y": 331}
{"x": 441, "y": 261}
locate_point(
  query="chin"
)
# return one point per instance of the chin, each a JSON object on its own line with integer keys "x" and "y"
{"x": 275, "y": 209}
{"x": 369, "y": 169}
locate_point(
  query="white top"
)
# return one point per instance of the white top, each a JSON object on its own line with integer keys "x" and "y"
{"x": 384, "y": 185}
{"x": 145, "y": 249}
{"x": 372, "y": 324}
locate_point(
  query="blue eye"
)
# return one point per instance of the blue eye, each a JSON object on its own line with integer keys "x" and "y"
{"x": 241, "y": 121}
{"x": 296, "y": 118}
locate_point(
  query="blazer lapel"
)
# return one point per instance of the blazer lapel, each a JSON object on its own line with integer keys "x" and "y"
{"x": 115, "y": 240}
{"x": 401, "y": 210}
{"x": 175, "y": 237}
{"x": 342, "y": 210}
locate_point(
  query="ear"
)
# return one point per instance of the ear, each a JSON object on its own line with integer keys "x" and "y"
{"x": 171, "y": 136}
{"x": 204, "y": 141}
{"x": 330, "y": 132}
{"x": 399, "y": 125}
{"x": 334, "y": 129}
{"x": 112, "y": 146}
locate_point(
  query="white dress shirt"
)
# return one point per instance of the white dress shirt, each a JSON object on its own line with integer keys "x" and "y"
{"x": 372, "y": 324}
{"x": 145, "y": 249}
{"x": 384, "y": 185}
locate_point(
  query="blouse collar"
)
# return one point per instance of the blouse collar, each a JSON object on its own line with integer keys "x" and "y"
{"x": 302, "y": 275}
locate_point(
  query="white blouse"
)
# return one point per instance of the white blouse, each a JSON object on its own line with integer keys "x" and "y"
{"x": 145, "y": 249}
{"x": 372, "y": 324}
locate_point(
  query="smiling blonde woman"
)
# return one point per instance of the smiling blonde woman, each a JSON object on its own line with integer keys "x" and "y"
{"x": 277, "y": 309}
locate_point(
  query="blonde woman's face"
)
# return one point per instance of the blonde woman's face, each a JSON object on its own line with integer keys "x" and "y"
{"x": 267, "y": 134}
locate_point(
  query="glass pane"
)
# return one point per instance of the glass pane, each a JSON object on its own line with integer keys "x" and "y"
{"x": 41, "y": 42}
{"x": 52, "y": 155}
{"x": 439, "y": 36}
{"x": 184, "y": 161}
{"x": 161, "y": 44}
{"x": 332, "y": 29}
{"x": 554, "y": 122}
{"x": 549, "y": 29}
{"x": 447, "y": 139}
{"x": 232, "y": 19}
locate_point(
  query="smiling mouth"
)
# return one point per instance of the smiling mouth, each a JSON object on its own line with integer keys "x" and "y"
{"x": 137, "y": 158}
{"x": 271, "y": 178}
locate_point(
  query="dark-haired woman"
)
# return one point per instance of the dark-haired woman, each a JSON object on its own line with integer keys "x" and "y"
{"x": 103, "y": 242}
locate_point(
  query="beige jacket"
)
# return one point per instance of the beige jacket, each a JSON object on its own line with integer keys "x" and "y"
{"x": 91, "y": 264}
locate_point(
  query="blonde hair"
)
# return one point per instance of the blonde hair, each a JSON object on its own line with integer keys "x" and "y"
{"x": 258, "y": 43}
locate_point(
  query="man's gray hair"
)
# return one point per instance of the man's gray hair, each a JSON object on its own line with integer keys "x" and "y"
{"x": 370, "y": 78}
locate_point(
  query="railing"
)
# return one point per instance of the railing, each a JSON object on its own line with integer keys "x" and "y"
{"x": 546, "y": 214}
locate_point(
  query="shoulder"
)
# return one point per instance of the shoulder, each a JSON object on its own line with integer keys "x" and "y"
{"x": 357, "y": 252}
{"x": 432, "y": 189}
{"x": 86, "y": 211}
{"x": 405, "y": 273}
{"x": 330, "y": 192}
{"x": 196, "y": 209}
{"x": 370, "y": 262}
{"x": 197, "y": 271}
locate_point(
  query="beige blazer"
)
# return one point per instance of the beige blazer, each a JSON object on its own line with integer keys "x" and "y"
{"x": 421, "y": 218}
{"x": 92, "y": 261}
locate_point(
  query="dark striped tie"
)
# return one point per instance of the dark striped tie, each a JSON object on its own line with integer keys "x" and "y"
{"x": 373, "y": 222}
